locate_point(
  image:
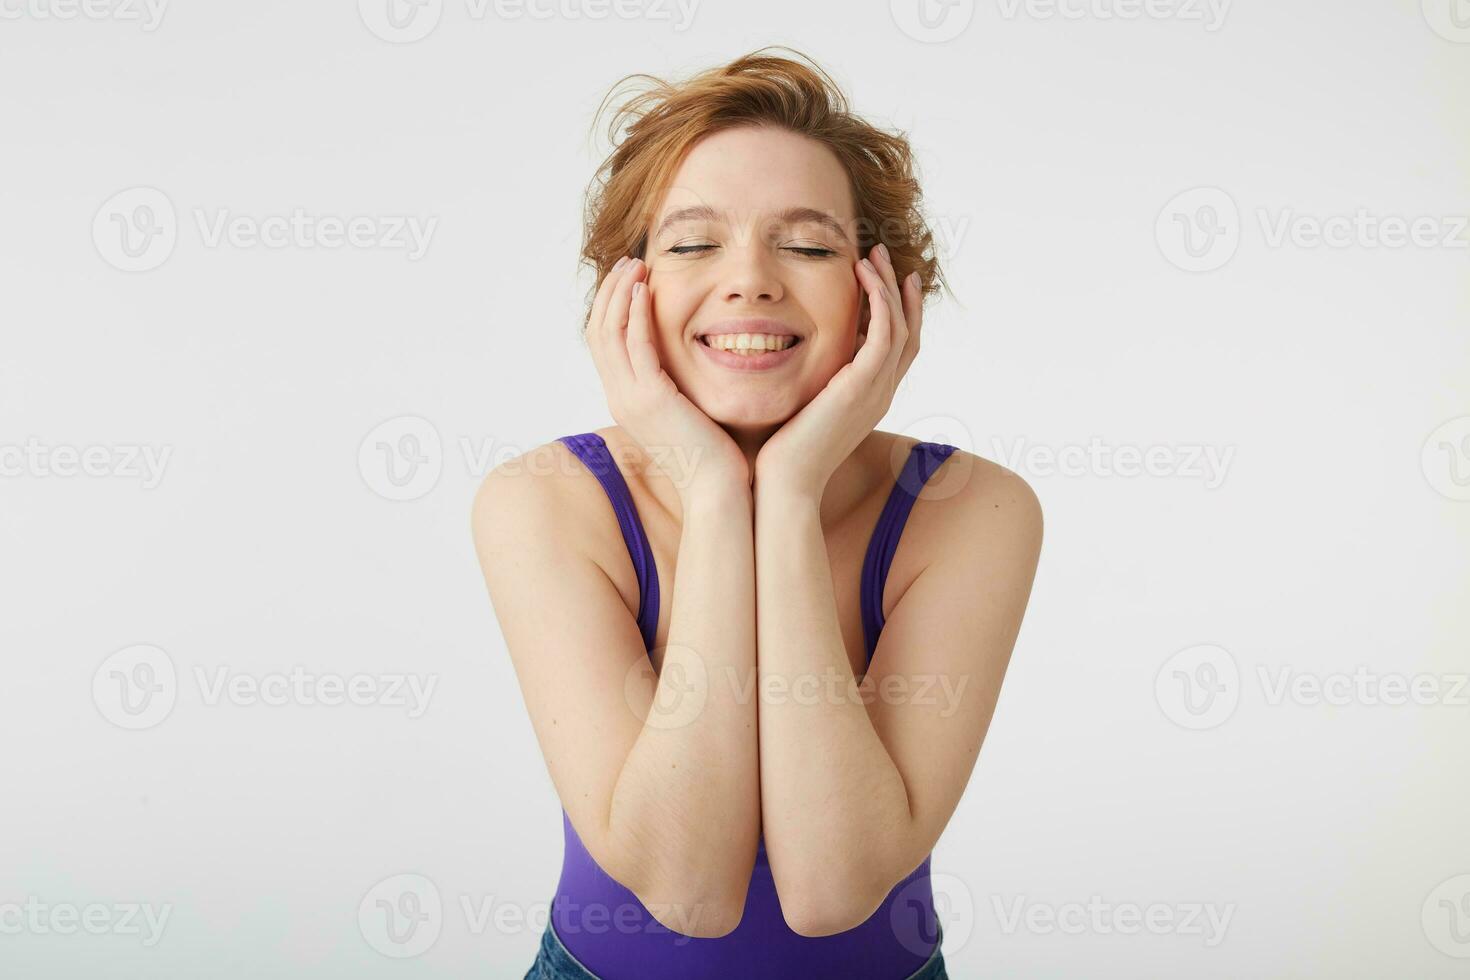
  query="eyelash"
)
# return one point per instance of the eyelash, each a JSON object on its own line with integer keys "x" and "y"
{"x": 813, "y": 253}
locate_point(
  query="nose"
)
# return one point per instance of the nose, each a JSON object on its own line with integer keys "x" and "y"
{"x": 751, "y": 274}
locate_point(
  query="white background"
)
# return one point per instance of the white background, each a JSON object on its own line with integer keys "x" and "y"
{"x": 1051, "y": 144}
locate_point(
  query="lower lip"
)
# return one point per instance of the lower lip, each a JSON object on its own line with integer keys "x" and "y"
{"x": 764, "y": 361}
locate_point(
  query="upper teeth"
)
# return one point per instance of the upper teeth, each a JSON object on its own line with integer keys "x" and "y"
{"x": 748, "y": 341}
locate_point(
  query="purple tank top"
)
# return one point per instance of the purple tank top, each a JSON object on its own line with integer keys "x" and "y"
{"x": 610, "y": 932}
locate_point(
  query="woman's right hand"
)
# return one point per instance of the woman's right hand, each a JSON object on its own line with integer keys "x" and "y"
{"x": 683, "y": 442}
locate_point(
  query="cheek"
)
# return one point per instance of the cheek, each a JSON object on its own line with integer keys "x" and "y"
{"x": 670, "y": 317}
{"x": 837, "y": 302}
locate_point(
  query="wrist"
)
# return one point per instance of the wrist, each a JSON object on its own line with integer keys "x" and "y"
{"x": 782, "y": 494}
{"x": 784, "y": 482}
{"x": 714, "y": 490}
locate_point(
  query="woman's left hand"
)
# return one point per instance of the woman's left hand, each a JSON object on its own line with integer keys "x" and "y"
{"x": 803, "y": 454}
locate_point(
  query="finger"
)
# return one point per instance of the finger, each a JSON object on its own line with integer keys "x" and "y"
{"x": 913, "y": 316}
{"x": 883, "y": 263}
{"x": 592, "y": 335}
{"x": 604, "y": 291}
{"x": 641, "y": 353}
{"x": 872, "y": 356}
{"x": 612, "y": 336}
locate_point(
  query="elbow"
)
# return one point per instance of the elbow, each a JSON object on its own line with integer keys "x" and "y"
{"x": 697, "y": 900}
{"x": 698, "y": 893}
{"x": 830, "y": 906}
{"x": 815, "y": 919}
{"x": 699, "y": 915}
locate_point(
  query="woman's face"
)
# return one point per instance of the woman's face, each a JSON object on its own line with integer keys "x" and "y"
{"x": 751, "y": 254}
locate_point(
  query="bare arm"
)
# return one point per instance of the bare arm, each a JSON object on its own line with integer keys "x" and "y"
{"x": 660, "y": 783}
{"x": 856, "y": 794}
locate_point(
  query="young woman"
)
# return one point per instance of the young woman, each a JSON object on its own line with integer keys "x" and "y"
{"x": 758, "y": 704}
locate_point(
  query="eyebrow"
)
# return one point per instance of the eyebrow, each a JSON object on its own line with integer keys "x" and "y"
{"x": 787, "y": 216}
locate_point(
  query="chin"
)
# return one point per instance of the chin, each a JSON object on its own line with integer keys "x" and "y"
{"x": 746, "y": 413}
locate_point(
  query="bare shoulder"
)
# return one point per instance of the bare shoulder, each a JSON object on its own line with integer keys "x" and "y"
{"x": 968, "y": 498}
{"x": 547, "y": 487}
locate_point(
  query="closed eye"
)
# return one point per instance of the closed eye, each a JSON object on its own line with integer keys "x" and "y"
{"x": 810, "y": 252}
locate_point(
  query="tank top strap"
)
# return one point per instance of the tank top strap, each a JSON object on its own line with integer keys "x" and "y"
{"x": 923, "y": 459}
{"x": 592, "y": 450}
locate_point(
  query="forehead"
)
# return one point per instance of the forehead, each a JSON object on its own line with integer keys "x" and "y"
{"x": 749, "y": 172}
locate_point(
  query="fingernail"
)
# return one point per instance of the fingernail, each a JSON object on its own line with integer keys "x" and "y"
{"x": 914, "y": 278}
{"x": 883, "y": 251}
{"x": 620, "y": 263}
{"x": 869, "y": 264}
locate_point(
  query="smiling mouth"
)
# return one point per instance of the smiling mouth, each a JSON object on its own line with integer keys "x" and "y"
{"x": 753, "y": 359}
{"x": 749, "y": 347}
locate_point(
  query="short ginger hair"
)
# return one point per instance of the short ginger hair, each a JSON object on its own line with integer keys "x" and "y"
{"x": 659, "y": 124}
